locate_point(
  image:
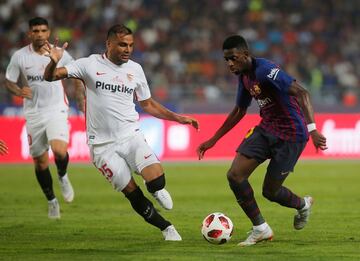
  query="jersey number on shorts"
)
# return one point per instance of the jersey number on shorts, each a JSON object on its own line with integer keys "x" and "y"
{"x": 107, "y": 173}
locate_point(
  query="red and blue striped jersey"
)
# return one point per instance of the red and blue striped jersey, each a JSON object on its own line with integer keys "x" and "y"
{"x": 280, "y": 113}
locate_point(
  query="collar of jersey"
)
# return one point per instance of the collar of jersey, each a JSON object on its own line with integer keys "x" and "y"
{"x": 107, "y": 61}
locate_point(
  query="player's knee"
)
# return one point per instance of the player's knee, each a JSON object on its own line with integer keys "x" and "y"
{"x": 156, "y": 184}
{"x": 41, "y": 163}
{"x": 59, "y": 149}
{"x": 41, "y": 166}
{"x": 117, "y": 183}
{"x": 59, "y": 153}
{"x": 232, "y": 176}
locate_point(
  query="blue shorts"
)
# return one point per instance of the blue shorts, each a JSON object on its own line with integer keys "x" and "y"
{"x": 283, "y": 155}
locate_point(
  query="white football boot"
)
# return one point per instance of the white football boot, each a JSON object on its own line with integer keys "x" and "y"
{"x": 66, "y": 188}
{"x": 170, "y": 234}
{"x": 302, "y": 215}
{"x": 259, "y": 233}
{"x": 54, "y": 209}
{"x": 163, "y": 197}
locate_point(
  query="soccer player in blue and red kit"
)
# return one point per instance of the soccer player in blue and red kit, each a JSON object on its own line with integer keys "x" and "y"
{"x": 287, "y": 120}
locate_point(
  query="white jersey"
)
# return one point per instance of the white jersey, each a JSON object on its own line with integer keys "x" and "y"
{"x": 30, "y": 67}
{"x": 110, "y": 93}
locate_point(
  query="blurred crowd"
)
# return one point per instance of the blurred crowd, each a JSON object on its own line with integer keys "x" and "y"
{"x": 179, "y": 42}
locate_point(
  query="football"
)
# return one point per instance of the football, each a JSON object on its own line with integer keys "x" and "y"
{"x": 217, "y": 228}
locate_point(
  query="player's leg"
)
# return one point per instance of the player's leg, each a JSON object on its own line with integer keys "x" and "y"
{"x": 285, "y": 156}
{"x": 274, "y": 191}
{"x": 154, "y": 178}
{"x": 43, "y": 176}
{"x": 39, "y": 152}
{"x": 143, "y": 160}
{"x": 252, "y": 152}
{"x": 59, "y": 148}
{"x": 58, "y": 135}
{"x": 238, "y": 174}
{"x": 240, "y": 170}
{"x": 106, "y": 158}
{"x": 145, "y": 208}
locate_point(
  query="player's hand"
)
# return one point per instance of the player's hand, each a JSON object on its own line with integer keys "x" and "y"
{"x": 53, "y": 51}
{"x": 188, "y": 120}
{"x": 3, "y": 148}
{"x": 203, "y": 147}
{"x": 319, "y": 140}
{"x": 26, "y": 92}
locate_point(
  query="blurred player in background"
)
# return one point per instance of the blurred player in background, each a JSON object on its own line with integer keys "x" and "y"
{"x": 3, "y": 148}
{"x": 287, "y": 119}
{"x": 116, "y": 143}
{"x": 45, "y": 110}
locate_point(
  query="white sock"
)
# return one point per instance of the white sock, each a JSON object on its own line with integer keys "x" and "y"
{"x": 306, "y": 206}
{"x": 64, "y": 177}
{"x": 261, "y": 227}
{"x": 53, "y": 200}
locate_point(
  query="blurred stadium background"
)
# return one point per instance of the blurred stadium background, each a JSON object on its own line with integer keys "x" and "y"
{"x": 179, "y": 45}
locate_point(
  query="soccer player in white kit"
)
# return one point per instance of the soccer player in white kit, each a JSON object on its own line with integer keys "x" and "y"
{"x": 117, "y": 146}
{"x": 45, "y": 110}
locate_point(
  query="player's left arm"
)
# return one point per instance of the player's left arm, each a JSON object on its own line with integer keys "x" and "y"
{"x": 155, "y": 109}
{"x": 303, "y": 98}
{"x": 79, "y": 94}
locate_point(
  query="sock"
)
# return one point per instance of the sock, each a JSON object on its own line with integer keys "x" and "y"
{"x": 245, "y": 197}
{"x": 45, "y": 181}
{"x": 285, "y": 198}
{"x": 146, "y": 209}
{"x": 156, "y": 184}
{"x": 261, "y": 227}
{"x": 62, "y": 164}
{"x": 302, "y": 204}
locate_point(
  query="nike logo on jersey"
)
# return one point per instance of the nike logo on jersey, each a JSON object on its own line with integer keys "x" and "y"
{"x": 148, "y": 156}
{"x": 28, "y": 67}
{"x": 100, "y": 73}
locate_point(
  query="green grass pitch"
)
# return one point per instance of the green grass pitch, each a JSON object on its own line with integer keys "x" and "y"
{"x": 101, "y": 225}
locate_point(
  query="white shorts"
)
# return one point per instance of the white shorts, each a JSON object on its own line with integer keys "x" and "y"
{"x": 117, "y": 160}
{"x": 44, "y": 128}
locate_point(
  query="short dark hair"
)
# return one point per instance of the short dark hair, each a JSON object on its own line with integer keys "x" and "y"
{"x": 118, "y": 29}
{"x": 235, "y": 41}
{"x": 38, "y": 21}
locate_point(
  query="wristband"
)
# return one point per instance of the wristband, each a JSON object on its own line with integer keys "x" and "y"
{"x": 311, "y": 127}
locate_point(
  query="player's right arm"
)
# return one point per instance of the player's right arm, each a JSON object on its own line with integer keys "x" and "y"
{"x": 24, "y": 92}
{"x": 232, "y": 119}
{"x": 12, "y": 74}
{"x": 51, "y": 72}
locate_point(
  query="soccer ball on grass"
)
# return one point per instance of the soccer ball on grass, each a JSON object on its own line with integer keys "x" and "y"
{"x": 217, "y": 228}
